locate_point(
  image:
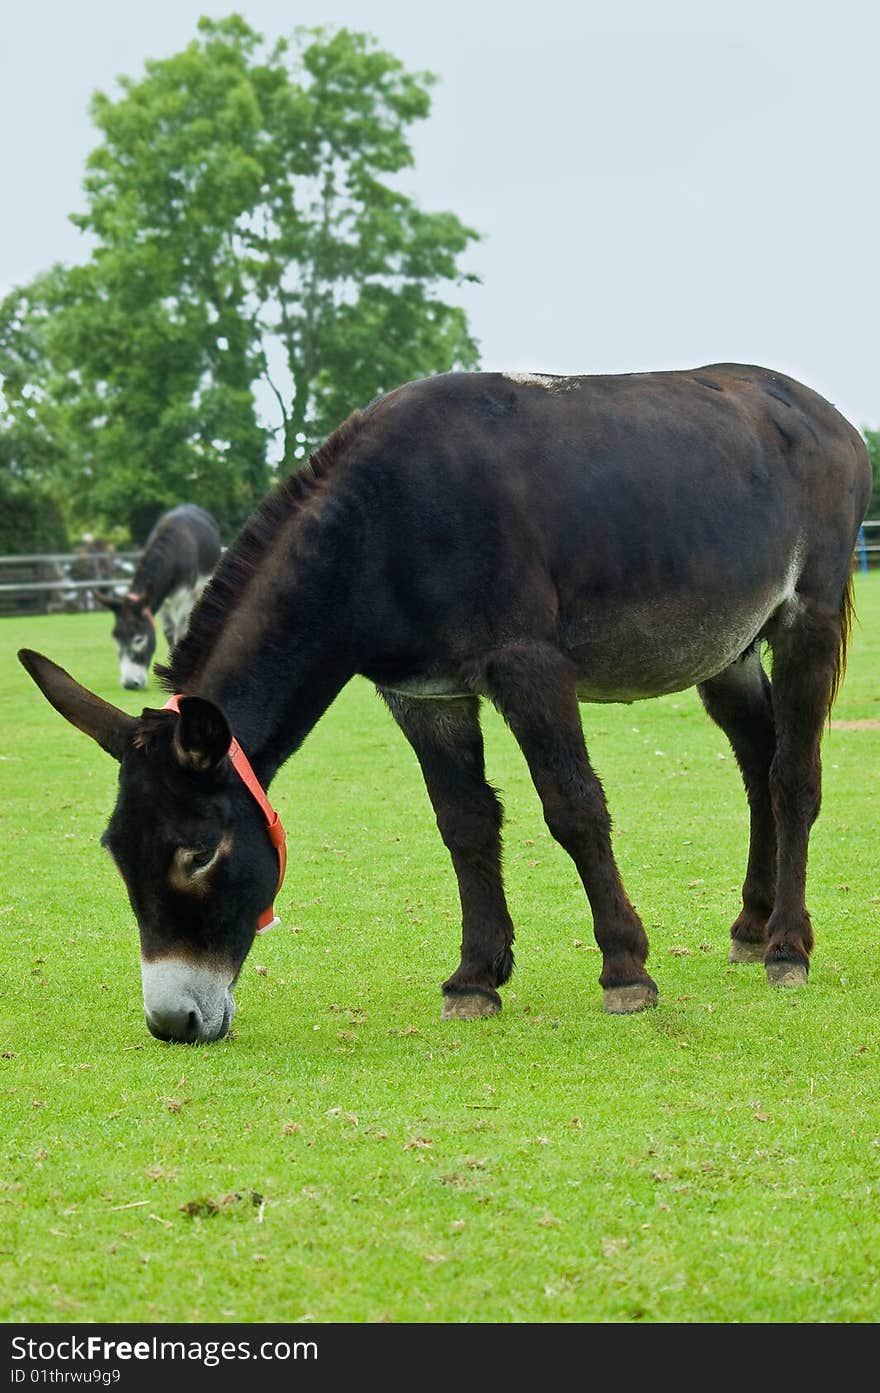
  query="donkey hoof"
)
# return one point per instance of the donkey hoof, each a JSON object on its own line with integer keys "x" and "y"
{"x": 468, "y": 1006}
{"x": 623, "y": 1001}
{"x": 743, "y": 952}
{"x": 786, "y": 974}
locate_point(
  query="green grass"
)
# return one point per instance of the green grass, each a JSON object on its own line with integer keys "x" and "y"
{"x": 348, "y": 1157}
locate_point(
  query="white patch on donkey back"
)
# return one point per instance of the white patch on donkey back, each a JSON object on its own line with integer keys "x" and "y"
{"x": 535, "y": 379}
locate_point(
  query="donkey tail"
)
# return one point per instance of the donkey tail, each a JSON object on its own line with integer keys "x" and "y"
{"x": 847, "y": 616}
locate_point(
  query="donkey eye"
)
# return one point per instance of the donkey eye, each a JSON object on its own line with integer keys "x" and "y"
{"x": 193, "y": 859}
{"x": 189, "y": 868}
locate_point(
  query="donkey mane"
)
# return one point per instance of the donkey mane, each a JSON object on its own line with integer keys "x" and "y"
{"x": 150, "y": 725}
{"x": 240, "y": 562}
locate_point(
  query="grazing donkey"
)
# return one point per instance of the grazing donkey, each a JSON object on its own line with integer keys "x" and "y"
{"x": 532, "y": 541}
{"x": 175, "y": 566}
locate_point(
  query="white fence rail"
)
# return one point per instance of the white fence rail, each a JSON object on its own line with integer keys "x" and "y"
{"x": 61, "y": 582}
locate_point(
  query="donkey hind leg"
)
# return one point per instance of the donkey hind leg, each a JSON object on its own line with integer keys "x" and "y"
{"x": 534, "y": 688}
{"x": 806, "y": 659}
{"x": 739, "y": 701}
{"x": 448, "y": 743}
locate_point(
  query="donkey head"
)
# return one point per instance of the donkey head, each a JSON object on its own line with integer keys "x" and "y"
{"x": 134, "y": 632}
{"x": 190, "y": 842}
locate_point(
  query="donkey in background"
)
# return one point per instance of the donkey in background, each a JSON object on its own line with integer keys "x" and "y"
{"x": 177, "y": 562}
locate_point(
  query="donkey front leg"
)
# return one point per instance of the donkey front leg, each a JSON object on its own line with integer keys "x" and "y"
{"x": 534, "y": 689}
{"x": 448, "y": 743}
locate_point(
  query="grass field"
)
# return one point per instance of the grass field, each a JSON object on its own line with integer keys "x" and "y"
{"x": 345, "y": 1156}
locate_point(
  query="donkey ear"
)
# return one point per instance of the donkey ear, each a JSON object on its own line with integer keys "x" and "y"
{"x": 107, "y": 600}
{"x": 110, "y": 727}
{"x": 202, "y": 737}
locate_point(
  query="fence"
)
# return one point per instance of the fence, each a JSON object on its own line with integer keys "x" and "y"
{"x": 57, "y": 583}
{"x": 868, "y": 545}
{"x": 61, "y": 583}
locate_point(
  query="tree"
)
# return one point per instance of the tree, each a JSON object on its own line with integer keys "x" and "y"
{"x": 30, "y": 454}
{"x": 872, "y": 439}
{"x": 250, "y": 253}
{"x": 30, "y": 519}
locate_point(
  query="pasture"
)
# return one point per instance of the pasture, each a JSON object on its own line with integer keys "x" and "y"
{"x": 345, "y": 1156}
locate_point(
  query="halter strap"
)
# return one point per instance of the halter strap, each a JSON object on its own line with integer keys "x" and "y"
{"x": 277, "y": 835}
{"x": 145, "y": 609}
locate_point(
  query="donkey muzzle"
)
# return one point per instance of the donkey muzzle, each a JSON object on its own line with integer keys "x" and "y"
{"x": 186, "y": 1004}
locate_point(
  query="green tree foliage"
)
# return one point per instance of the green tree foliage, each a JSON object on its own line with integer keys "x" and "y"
{"x": 872, "y": 439}
{"x": 251, "y": 256}
{"x": 30, "y": 519}
{"x": 31, "y": 424}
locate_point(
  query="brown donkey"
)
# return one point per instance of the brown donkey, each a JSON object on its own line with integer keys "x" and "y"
{"x": 533, "y": 541}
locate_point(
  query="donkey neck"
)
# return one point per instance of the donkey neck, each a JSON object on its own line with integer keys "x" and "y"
{"x": 278, "y": 693}
{"x": 270, "y": 641}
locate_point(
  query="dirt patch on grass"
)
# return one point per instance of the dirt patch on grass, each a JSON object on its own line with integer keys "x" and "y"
{"x": 872, "y": 723}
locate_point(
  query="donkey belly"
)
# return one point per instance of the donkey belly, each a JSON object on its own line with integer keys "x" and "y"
{"x": 665, "y": 645}
{"x": 636, "y": 651}
{"x": 627, "y": 646}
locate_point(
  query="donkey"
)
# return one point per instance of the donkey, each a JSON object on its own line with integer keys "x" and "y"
{"x": 529, "y": 540}
{"x": 175, "y": 566}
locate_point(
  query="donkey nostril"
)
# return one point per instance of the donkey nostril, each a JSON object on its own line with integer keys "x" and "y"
{"x": 185, "y": 1002}
{"x": 178, "y": 1023}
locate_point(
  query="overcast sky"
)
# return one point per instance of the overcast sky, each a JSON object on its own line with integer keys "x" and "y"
{"x": 658, "y": 185}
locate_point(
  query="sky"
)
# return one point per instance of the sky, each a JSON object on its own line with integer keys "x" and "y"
{"x": 657, "y": 184}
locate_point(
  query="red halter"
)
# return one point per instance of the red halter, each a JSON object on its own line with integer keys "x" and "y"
{"x": 145, "y": 609}
{"x": 277, "y": 835}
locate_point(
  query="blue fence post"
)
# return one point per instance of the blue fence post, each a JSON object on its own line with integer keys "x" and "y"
{"x": 863, "y": 552}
